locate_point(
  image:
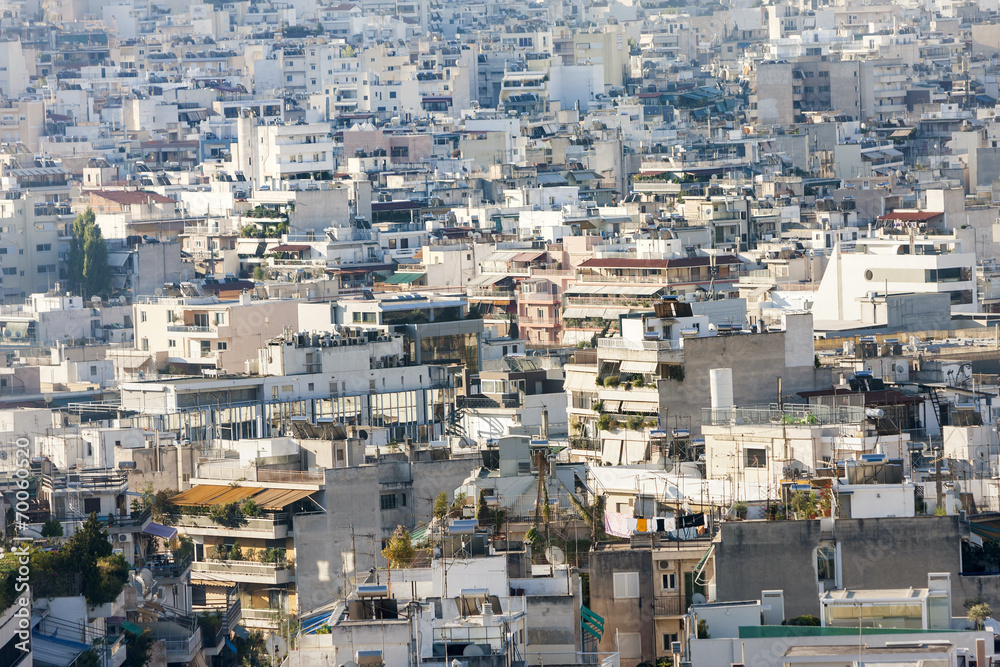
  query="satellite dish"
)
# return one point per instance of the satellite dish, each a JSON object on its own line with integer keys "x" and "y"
{"x": 555, "y": 555}
{"x": 698, "y": 598}
{"x": 158, "y": 291}
{"x": 276, "y": 645}
{"x": 473, "y": 650}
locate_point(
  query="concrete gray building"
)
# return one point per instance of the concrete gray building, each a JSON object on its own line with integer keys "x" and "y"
{"x": 755, "y": 556}
{"x": 364, "y": 505}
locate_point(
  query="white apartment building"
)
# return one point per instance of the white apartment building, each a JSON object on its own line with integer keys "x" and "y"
{"x": 270, "y": 154}
{"x": 206, "y": 333}
{"x": 921, "y": 264}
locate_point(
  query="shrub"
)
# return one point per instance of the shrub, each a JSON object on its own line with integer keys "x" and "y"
{"x": 236, "y": 552}
{"x": 635, "y": 422}
{"x": 250, "y": 508}
{"x": 52, "y": 528}
{"x": 604, "y": 422}
{"x": 612, "y": 381}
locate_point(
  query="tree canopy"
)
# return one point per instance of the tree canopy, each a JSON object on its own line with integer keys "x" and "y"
{"x": 88, "y": 257}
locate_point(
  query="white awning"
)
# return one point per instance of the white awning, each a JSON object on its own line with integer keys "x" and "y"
{"x": 638, "y": 367}
{"x": 578, "y": 381}
{"x": 639, "y": 406}
{"x": 117, "y": 259}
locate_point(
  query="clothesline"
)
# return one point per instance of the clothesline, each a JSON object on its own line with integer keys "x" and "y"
{"x": 617, "y": 524}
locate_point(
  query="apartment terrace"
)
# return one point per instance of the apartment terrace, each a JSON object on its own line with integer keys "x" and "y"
{"x": 772, "y": 414}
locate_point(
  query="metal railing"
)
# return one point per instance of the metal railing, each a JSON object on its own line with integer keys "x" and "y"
{"x": 628, "y": 344}
{"x": 259, "y": 524}
{"x": 182, "y": 647}
{"x": 669, "y": 605}
{"x": 239, "y": 567}
{"x": 788, "y": 415}
{"x": 291, "y": 476}
{"x": 188, "y": 328}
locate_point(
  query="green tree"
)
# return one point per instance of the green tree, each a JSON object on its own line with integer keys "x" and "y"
{"x": 88, "y": 257}
{"x": 441, "y": 505}
{"x": 399, "y": 552}
{"x": 102, "y": 573}
{"x": 138, "y": 650}
{"x": 979, "y": 613}
{"x": 52, "y": 528}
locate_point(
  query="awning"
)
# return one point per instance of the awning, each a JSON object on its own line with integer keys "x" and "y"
{"x": 159, "y": 530}
{"x": 290, "y": 248}
{"x": 241, "y": 632}
{"x": 638, "y": 367}
{"x": 580, "y": 381}
{"x": 638, "y": 406}
{"x": 209, "y": 494}
{"x": 700, "y": 567}
{"x": 278, "y": 499}
{"x": 616, "y": 290}
{"x": 526, "y": 256}
{"x": 486, "y": 280}
{"x": 117, "y": 259}
{"x": 576, "y": 312}
{"x": 212, "y": 494}
{"x": 213, "y": 579}
{"x": 404, "y": 278}
{"x": 131, "y": 627}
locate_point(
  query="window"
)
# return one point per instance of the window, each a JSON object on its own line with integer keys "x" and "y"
{"x": 43, "y": 247}
{"x": 668, "y": 642}
{"x": 387, "y": 501}
{"x": 93, "y": 370}
{"x": 46, "y": 268}
{"x": 630, "y": 645}
{"x": 626, "y": 585}
{"x": 669, "y": 582}
{"x": 91, "y": 505}
{"x": 754, "y": 458}
{"x": 10, "y": 270}
{"x": 826, "y": 563}
{"x": 142, "y": 315}
{"x": 222, "y": 345}
{"x": 274, "y": 393}
{"x": 171, "y": 343}
{"x": 311, "y": 386}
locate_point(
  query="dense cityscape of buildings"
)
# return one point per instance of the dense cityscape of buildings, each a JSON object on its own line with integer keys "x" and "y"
{"x": 440, "y": 333}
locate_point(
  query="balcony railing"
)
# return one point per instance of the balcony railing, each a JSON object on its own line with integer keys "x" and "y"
{"x": 669, "y": 605}
{"x": 628, "y": 344}
{"x": 185, "y": 328}
{"x": 236, "y": 567}
{"x": 183, "y": 648}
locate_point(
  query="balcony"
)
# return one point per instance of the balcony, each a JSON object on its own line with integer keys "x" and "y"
{"x": 264, "y": 619}
{"x": 274, "y": 527}
{"x": 669, "y": 605}
{"x": 185, "y": 328}
{"x": 242, "y": 572}
{"x": 180, "y": 649}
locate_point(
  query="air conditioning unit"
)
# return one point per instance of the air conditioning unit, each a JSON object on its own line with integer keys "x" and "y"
{"x": 379, "y": 364}
{"x": 122, "y": 537}
{"x": 665, "y": 564}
